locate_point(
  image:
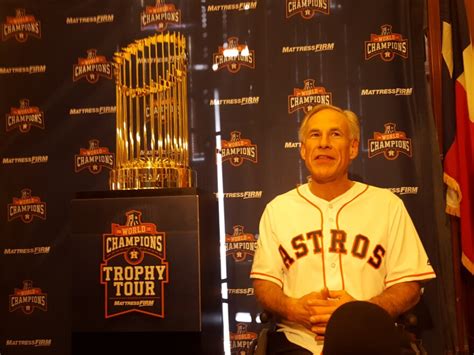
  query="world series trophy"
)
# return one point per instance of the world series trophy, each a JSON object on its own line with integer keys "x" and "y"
{"x": 151, "y": 117}
{"x": 151, "y": 173}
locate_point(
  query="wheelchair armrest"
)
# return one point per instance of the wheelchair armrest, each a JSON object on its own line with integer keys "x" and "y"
{"x": 259, "y": 344}
{"x": 266, "y": 317}
{"x": 408, "y": 321}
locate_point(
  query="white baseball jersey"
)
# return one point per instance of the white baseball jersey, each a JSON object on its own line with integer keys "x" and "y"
{"x": 363, "y": 241}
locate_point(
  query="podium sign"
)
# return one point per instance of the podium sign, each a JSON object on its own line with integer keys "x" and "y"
{"x": 136, "y": 264}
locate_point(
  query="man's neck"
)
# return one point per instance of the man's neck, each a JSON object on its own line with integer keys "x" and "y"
{"x": 330, "y": 190}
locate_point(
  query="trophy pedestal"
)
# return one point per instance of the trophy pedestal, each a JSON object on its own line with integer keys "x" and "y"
{"x": 176, "y": 268}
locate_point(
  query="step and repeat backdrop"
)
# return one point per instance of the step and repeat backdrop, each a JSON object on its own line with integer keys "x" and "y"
{"x": 254, "y": 69}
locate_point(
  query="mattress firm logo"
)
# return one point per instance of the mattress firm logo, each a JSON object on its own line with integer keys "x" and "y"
{"x": 93, "y": 158}
{"x": 28, "y": 342}
{"x": 292, "y": 145}
{"x": 238, "y": 149}
{"x": 240, "y": 245}
{"x": 390, "y": 143}
{"x": 306, "y": 8}
{"x": 32, "y": 250}
{"x": 308, "y": 97}
{"x": 233, "y": 56}
{"x": 34, "y": 159}
{"x": 28, "y": 299}
{"x": 97, "y": 19}
{"x": 240, "y": 6}
{"x": 388, "y": 91}
{"x": 386, "y": 45}
{"x": 317, "y": 47}
{"x": 404, "y": 190}
{"x": 99, "y": 110}
{"x": 248, "y": 100}
{"x": 26, "y": 207}
{"x": 244, "y": 195}
{"x": 241, "y": 340}
{"x": 92, "y": 68}
{"x": 159, "y": 16}
{"x": 30, "y": 69}
{"x": 24, "y": 117}
{"x": 134, "y": 268}
{"x": 21, "y": 26}
{"x": 241, "y": 291}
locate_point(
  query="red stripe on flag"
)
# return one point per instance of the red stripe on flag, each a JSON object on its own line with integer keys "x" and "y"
{"x": 459, "y": 166}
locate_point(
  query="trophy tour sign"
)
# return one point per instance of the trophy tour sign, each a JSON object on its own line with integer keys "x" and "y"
{"x": 134, "y": 269}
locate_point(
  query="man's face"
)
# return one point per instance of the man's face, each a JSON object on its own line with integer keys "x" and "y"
{"x": 327, "y": 147}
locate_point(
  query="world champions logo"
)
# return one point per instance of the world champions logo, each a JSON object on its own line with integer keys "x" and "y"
{"x": 390, "y": 143}
{"x": 308, "y": 97}
{"x": 24, "y": 117}
{"x": 240, "y": 245}
{"x": 26, "y": 207}
{"x": 238, "y": 149}
{"x": 233, "y": 56}
{"x": 241, "y": 340}
{"x": 28, "y": 298}
{"x": 21, "y": 26}
{"x": 386, "y": 45}
{"x": 93, "y": 158}
{"x": 159, "y": 16}
{"x": 307, "y": 8}
{"x": 92, "y": 68}
{"x": 134, "y": 268}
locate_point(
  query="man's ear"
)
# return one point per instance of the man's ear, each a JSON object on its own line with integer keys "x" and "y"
{"x": 354, "y": 149}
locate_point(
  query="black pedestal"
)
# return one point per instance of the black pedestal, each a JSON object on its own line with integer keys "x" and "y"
{"x": 145, "y": 272}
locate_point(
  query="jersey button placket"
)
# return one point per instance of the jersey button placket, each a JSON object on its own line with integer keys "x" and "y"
{"x": 331, "y": 258}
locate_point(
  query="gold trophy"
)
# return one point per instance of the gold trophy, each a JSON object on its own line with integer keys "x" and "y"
{"x": 152, "y": 111}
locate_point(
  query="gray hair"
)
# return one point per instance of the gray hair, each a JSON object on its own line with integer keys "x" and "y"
{"x": 352, "y": 120}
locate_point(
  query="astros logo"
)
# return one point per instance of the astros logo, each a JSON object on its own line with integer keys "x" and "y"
{"x": 238, "y": 149}
{"x": 93, "y": 158}
{"x": 233, "y": 56}
{"x": 26, "y": 207}
{"x": 240, "y": 342}
{"x": 308, "y": 97}
{"x": 391, "y": 143}
{"x": 134, "y": 268}
{"x": 159, "y": 16}
{"x": 386, "y": 44}
{"x": 307, "y": 9}
{"x": 21, "y": 26}
{"x": 240, "y": 245}
{"x": 24, "y": 117}
{"x": 28, "y": 298}
{"x": 92, "y": 67}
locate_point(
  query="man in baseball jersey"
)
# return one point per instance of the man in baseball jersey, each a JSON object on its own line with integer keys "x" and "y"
{"x": 334, "y": 240}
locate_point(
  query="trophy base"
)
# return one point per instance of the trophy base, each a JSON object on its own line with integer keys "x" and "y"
{"x": 151, "y": 178}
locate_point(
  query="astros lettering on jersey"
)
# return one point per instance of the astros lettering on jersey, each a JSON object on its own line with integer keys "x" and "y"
{"x": 362, "y": 241}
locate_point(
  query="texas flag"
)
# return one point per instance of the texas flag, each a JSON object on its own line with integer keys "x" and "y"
{"x": 458, "y": 113}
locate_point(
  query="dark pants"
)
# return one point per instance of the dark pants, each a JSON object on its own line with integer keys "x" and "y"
{"x": 277, "y": 344}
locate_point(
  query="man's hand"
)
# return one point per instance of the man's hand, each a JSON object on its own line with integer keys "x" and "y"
{"x": 323, "y": 309}
{"x": 312, "y": 310}
{"x": 298, "y": 310}
{"x": 301, "y": 310}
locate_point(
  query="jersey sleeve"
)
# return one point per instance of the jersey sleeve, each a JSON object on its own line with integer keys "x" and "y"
{"x": 267, "y": 263}
{"x": 406, "y": 257}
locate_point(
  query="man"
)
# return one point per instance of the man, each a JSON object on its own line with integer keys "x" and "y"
{"x": 334, "y": 240}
